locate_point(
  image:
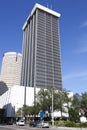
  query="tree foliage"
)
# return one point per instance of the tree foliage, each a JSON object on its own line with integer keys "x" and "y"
{"x": 44, "y": 99}
{"x": 73, "y": 115}
{"x": 61, "y": 100}
{"x": 84, "y": 100}
{"x": 76, "y": 102}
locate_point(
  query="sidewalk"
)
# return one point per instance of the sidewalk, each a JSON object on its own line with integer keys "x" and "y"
{"x": 72, "y": 128}
{"x": 27, "y": 127}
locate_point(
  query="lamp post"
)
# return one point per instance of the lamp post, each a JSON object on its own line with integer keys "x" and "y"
{"x": 24, "y": 95}
{"x": 52, "y": 108}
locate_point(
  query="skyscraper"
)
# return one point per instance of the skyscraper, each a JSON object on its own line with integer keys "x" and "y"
{"x": 11, "y": 68}
{"x": 41, "y": 61}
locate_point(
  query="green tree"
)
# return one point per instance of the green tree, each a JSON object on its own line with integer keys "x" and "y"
{"x": 73, "y": 115}
{"x": 84, "y": 103}
{"x": 84, "y": 100}
{"x": 76, "y": 102}
{"x": 31, "y": 110}
{"x": 28, "y": 110}
{"x": 61, "y": 100}
{"x": 75, "y": 108}
{"x": 44, "y": 99}
{"x": 19, "y": 113}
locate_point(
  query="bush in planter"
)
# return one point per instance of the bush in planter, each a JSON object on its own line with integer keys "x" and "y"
{"x": 59, "y": 123}
{"x": 84, "y": 125}
{"x": 70, "y": 124}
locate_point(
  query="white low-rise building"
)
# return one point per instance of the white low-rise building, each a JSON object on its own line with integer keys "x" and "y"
{"x": 13, "y": 99}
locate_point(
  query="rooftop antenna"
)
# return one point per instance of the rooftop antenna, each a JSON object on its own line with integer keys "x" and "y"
{"x": 47, "y": 5}
{"x": 51, "y": 6}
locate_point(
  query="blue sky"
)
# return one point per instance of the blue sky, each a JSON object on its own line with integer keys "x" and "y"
{"x": 73, "y": 35}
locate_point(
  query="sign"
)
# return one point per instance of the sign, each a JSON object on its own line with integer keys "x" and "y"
{"x": 41, "y": 114}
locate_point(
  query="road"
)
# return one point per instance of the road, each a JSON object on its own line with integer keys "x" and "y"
{"x": 14, "y": 127}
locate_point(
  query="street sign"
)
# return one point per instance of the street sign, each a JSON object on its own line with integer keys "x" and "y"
{"x": 41, "y": 114}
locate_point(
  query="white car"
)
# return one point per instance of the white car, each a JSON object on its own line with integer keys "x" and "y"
{"x": 43, "y": 125}
{"x": 20, "y": 123}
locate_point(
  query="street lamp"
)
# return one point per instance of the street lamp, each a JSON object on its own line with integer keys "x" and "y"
{"x": 24, "y": 95}
{"x": 52, "y": 108}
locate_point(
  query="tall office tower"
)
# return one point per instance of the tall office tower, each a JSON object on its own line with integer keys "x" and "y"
{"x": 41, "y": 62}
{"x": 11, "y": 68}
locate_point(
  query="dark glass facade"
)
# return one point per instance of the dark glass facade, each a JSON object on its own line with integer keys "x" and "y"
{"x": 41, "y": 63}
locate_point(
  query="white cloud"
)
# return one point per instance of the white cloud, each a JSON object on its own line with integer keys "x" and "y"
{"x": 84, "y": 24}
{"x": 82, "y": 49}
{"x": 82, "y": 40}
{"x": 72, "y": 75}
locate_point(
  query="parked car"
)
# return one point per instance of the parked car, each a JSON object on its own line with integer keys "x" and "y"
{"x": 9, "y": 122}
{"x": 33, "y": 124}
{"x": 43, "y": 125}
{"x": 20, "y": 123}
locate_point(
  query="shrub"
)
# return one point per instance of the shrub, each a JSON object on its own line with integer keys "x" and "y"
{"x": 84, "y": 125}
{"x": 70, "y": 124}
{"x": 60, "y": 123}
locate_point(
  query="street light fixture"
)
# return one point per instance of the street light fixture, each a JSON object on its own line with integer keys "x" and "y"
{"x": 52, "y": 108}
